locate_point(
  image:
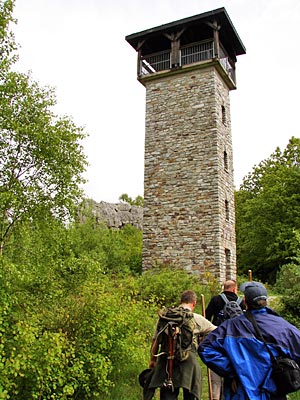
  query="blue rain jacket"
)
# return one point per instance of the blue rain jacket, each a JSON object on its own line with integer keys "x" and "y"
{"x": 233, "y": 351}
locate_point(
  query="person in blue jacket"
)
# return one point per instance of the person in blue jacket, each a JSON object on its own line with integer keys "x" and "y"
{"x": 233, "y": 351}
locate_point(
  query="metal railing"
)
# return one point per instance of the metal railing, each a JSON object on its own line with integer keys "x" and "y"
{"x": 191, "y": 54}
{"x": 155, "y": 63}
{"x": 228, "y": 68}
{"x": 197, "y": 52}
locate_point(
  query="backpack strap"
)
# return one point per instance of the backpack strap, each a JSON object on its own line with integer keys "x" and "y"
{"x": 258, "y": 333}
{"x": 224, "y": 298}
{"x": 238, "y": 300}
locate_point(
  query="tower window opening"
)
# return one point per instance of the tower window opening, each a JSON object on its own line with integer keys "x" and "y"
{"x": 227, "y": 263}
{"x": 223, "y": 115}
{"x": 225, "y": 161}
{"x": 227, "y": 257}
{"x": 227, "y": 210}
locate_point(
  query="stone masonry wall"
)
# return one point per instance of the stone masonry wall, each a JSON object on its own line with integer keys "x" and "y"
{"x": 116, "y": 215}
{"x": 188, "y": 192}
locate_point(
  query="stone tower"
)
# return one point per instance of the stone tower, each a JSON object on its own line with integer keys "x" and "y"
{"x": 188, "y": 69}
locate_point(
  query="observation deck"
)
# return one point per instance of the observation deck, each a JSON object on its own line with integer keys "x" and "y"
{"x": 194, "y": 42}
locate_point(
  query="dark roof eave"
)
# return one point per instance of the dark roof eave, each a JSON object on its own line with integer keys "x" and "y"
{"x": 135, "y": 38}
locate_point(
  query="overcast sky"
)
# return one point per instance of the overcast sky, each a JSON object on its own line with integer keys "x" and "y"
{"x": 79, "y": 48}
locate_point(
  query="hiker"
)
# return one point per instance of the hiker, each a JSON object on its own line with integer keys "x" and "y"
{"x": 214, "y": 312}
{"x": 234, "y": 351}
{"x": 216, "y": 304}
{"x": 185, "y": 374}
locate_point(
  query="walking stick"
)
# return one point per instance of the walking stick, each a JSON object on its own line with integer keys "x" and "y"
{"x": 172, "y": 333}
{"x": 208, "y": 370}
{"x": 249, "y": 275}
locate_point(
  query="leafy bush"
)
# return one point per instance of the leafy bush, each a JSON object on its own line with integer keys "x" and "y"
{"x": 268, "y": 213}
{"x": 77, "y": 319}
{"x": 72, "y": 331}
{"x": 77, "y": 337}
{"x": 288, "y": 285}
{"x": 163, "y": 286}
{"x": 118, "y": 251}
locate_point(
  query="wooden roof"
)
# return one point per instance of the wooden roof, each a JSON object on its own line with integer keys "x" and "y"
{"x": 195, "y": 28}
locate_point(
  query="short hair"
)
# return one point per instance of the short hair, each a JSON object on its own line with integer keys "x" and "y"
{"x": 188, "y": 296}
{"x": 230, "y": 284}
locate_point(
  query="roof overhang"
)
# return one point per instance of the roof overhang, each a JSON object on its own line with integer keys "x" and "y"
{"x": 192, "y": 26}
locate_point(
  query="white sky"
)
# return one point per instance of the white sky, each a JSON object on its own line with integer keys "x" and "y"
{"x": 79, "y": 47}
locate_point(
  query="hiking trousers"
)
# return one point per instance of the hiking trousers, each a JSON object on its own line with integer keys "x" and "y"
{"x": 217, "y": 386}
{"x": 167, "y": 394}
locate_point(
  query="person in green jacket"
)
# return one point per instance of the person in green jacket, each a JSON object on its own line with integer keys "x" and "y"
{"x": 186, "y": 374}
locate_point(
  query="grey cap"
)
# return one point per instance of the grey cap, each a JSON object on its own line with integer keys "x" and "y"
{"x": 254, "y": 291}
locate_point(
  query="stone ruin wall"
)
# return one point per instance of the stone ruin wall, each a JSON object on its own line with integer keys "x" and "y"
{"x": 116, "y": 215}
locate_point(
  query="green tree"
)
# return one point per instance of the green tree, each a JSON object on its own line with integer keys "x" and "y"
{"x": 268, "y": 213}
{"x": 118, "y": 251}
{"x": 7, "y": 40}
{"x": 41, "y": 155}
{"x": 138, "y": 201}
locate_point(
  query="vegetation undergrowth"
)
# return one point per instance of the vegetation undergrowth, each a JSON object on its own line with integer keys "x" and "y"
{"x": 73, "y": 330}
{"x": 76, "y": 313}
{"x": 73, "y": 327}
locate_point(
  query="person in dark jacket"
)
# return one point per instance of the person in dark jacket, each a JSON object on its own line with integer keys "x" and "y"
{"x": 212, "y": 313}
{"x": 187, "y": 373}
{"x": 216, "y": 303}
{"x": 234, "y": 352}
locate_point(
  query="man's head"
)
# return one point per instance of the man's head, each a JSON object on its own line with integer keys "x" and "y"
{"x": 188, "y": 297}
{"x": 255, "y": 294}
{"x": 230, "y": 286}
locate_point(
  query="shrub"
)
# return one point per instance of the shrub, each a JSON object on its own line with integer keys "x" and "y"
{"x": 163, "y": 286}
{"x": 288, "y": 285}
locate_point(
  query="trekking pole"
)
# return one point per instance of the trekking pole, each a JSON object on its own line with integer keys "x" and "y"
{"x": 249, "y": 275}
{"x": 208, "y": 370}
{"x": 171, "y": 339}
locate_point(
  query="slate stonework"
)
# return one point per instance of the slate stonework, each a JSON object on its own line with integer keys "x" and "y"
{"x": 116, "y": 215}
{"x": 188, "y": 190}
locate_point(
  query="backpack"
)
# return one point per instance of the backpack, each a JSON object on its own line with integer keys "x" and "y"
{"x": 175, "y": 332}
{"x": 285, "y": 371}
{"x": 231, "y": 309}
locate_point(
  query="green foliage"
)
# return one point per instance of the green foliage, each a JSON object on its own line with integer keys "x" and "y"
{"x": 117, "y": 250}
{"x": 288, "y": 285}
{"x": 7, "y": 40}
{"x": 288, "y": 279}
{"x": 138, "y": 201}
{"x": 39, "y": 357}
{"x": 268, "y": 213}
{"x": 62, "y": 343}
{"x": 290, "y": 308}
{"x": 163, "y": 286}
{"x": 123, "y": 250}
{"x": 61, "y": 295}
{"x": 76, "y": 313}
{"x": 38, "y": 242}
{"x": 42, "y": 158}
{"x": 71, "y": 329}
